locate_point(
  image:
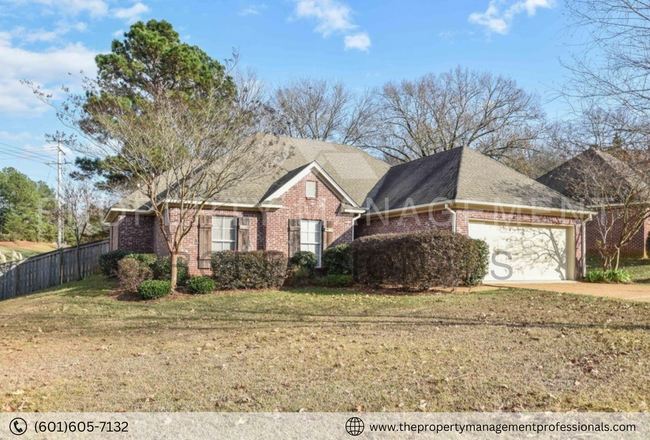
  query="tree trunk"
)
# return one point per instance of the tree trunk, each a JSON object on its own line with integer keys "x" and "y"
{"x": 174, "y": 263}
{"x": 618, "y": 258}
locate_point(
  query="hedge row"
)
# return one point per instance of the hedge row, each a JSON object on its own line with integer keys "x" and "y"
{"x": 249, "y": 270}
{"x": 420, "y": 260}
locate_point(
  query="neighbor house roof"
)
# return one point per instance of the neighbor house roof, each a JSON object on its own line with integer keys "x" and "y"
{"x": 352, "y": 170}
{"x": 569, "y": 177}
{"x": 460, "y": 176}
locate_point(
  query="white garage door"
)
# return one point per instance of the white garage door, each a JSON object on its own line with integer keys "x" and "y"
{"x": 526, "y": 253}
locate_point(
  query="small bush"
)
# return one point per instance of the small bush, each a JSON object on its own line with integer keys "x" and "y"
{"x": 249, "y": 270}
{"x": 108, "y": 261}
{"x": 338, "y": 260}
{"x": 201, "y": 285}
{"x": 152, "y": 289}
{"x": 162, "y": 270}
{"x": 304, "y": 259}
{"x": 299, "y": 277}
{"x": 334, "y": 281}
{"x": 420, "y": 260}
{"x": 131, "y": 273}
{"x": 619, "y": 276}
{"x": 148, "y": 259}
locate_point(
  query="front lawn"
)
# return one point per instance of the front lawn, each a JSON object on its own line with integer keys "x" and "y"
{"x": 79, "y": 348}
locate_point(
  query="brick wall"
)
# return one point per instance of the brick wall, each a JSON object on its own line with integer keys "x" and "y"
{"x": 597, "y": 227}
{"x": 133, "y": 233}
{"x": 296, "y": 205}
{"x": 437, "y": 220}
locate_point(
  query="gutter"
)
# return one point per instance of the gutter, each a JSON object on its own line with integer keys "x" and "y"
{"x": 470, "y": 204}
{"x": 354, "y": 220}
{"x": 453, "y": 217}
{"x": 584, "y": 244}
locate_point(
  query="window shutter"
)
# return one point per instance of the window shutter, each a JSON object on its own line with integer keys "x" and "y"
{"x": 243, "y": 234}
{"x": 205, "y": 241}
{"x": 328, "y": 233}
{"x": 294, "y": 236}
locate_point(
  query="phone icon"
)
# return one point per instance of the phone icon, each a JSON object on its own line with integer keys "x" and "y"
{"x": 18, "y": 426}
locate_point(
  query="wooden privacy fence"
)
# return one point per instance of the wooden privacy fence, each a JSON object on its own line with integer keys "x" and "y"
{"x": 46, "y": 270}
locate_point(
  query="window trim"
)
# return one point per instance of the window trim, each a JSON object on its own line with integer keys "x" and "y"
{"x": 318, "y": 243}
{"x": 222, "y": 242}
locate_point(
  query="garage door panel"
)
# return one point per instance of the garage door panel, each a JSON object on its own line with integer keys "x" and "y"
{"x": 524, "y": 253}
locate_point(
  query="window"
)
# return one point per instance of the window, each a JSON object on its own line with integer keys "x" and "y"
{"x": 310, "y": 238}
{"x": 224, "y": 234}
{"x": 311, "y": 189}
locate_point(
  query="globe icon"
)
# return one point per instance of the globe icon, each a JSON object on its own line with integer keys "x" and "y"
{"x": 354, "y": 426}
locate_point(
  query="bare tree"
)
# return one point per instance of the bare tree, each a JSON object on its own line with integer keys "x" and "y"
{"x": 613, "y": 63}
{"x": 324, "y": 110}
{"x": 612, "y": 186}
{"x": 80, "y": 207}
{"x": 457, "y": 108}
{"x": 180, "y": 152}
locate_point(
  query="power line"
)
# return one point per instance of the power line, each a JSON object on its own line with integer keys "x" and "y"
{"x": 11, "y": 149}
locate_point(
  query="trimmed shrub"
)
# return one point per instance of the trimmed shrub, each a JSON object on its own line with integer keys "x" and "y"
{"x": 131, "y": 273}
{"x": 338, "y": 260}
{"x": 249, "y": 270}
{"x": 152, "y": 289}
{"x": 420, "y": 260}
{"x": 304, "y": 260}
{"x": 148, "y": 259}
{"x": 162, "y": 270}
{"x": 201, "y": 285}
{"x": 334, "y": 281}
{"x": 619, "y": 276}
{"x": 108, "y": 261}
{"x": 479, "y": 263}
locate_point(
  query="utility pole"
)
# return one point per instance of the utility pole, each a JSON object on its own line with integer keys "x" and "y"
{"x": 59, "y": 214}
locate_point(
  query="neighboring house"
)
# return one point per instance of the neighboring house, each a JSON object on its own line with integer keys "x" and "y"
{"x": 323, "y": 189}
{"x": 572, "y": 179}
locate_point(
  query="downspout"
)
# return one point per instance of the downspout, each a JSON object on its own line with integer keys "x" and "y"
{"x": 453, "y": 217}
{"x": 584, "y": 245}
{"x": 354, "y": 220}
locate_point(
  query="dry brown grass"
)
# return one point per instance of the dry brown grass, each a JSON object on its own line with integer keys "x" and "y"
{"x": 79, "y": 348}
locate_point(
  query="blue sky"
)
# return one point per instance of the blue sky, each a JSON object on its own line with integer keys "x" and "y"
{"x": 363, "y": 43}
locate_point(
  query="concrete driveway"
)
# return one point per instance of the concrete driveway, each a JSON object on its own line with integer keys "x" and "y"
{"x": 637, "y": 292}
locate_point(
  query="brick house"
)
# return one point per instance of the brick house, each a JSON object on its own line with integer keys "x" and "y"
{"x": 326, "y": 194}
{"x": 569, "y": 179}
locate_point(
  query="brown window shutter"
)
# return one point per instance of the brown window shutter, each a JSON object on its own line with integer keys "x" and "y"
{"x": 205, "y": 241}
{"x": 294, "y": 236}
{"x": 243, "y": 234}
{"x": 328, "y": 233}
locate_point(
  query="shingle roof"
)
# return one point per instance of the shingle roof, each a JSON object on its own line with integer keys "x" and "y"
{"x": 460, "y": 174}
{"x": 355, "y": 171}
{"x": 565, "y": 177}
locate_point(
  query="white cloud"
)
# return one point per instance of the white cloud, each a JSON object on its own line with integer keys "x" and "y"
{"x": 132, "y": 14}
{"x": 331, "y": 17}
{"x": 48, "y": 68}
{"x": 96, "y": 8}
{"x": 119, "y": 33}
{"x": 253, "y": 9}
{"x": 500, "y": 14}
{"x": 360, "y": 41}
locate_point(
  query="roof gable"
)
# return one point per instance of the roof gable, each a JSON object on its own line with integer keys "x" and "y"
{"x": 283, "y": 185}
